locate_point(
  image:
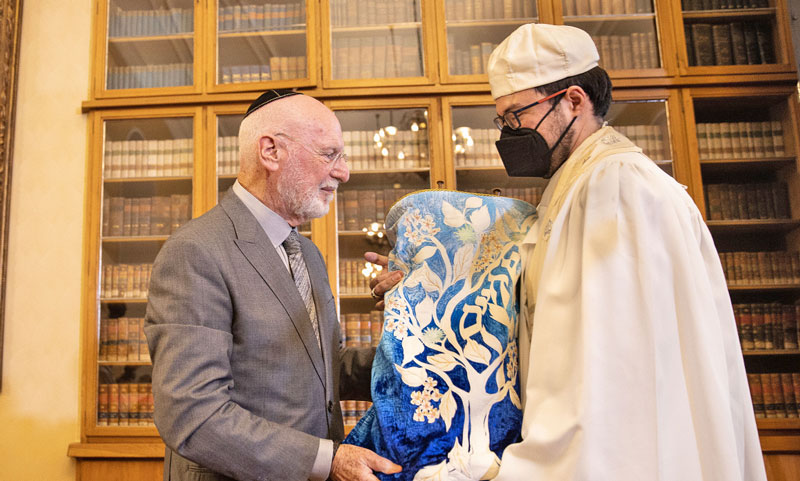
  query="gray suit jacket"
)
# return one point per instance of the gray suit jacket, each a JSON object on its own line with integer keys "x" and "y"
{"x": 241, "y": 386}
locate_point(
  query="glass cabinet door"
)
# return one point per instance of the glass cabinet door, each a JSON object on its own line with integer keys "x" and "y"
{"x": 732, "y": 33}
{"x": 149, "y": 44}
{"x": 645, "y": 123}
{"x": 747, "y": 145}
{"x": 261, "y": 41}
{"x": 389, "y": 156}
{"x": 147, "y": 187}
{"x": 475, "y": 28}
{"x": 624, "y": 31}
{"x": 375, "y": 39}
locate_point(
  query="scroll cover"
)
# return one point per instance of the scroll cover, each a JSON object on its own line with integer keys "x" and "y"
{"x": 445, "y": 385}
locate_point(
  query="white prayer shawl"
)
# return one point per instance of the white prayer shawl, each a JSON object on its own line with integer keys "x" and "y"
{"x": 635, "y": 370}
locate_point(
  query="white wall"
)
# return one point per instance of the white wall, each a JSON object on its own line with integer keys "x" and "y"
{"x": 39, "y": 411}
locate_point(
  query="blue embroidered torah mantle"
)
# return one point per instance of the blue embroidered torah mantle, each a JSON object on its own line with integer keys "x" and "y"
{"x": 445, "y": 387}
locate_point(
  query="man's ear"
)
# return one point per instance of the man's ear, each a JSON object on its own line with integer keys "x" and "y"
{"x": 577, "y": 100}
{"x": 268, "y": 153}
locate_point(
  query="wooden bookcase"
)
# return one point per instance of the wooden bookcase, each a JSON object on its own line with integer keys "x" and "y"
{"x": 172, "y": 79}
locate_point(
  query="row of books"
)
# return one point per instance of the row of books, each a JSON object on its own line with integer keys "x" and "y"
{"x": 531, "y": 195}
{"x": 125, "y": 404}
{"x": 126, "y": 281}
{"x": 406, "y": 149}
{"x": 636, "y": 50}
{"x": 606, "y": 7}
{"x": 122, "y": 339}
{"x": 747, "y": 201}
{"x": 351, "y": 279}
{"x": 362, "y": 329}
{"x": 458, "y": 10}
{"x": 279, "y": 68}
{"x": 346, "y": 13}
{"x": 740, "y": 140}
{"x": 150, "y": 23}
{"x": 775, "y": 395}
{"x": 149, "y": 76}
{"x": 352, "y": 411}
{"x": 384, "y": 55}
{"x": 358, "y": 208}
{"x": 145, "y": 216}
{"x": 689, "y": 5}
{"x": 257, "y": 18}
{"x": 147, "y": 158}
{"x": 735, "y": 43}
{"x": 650, "y": 138}
{"x": 227, "y": 155}
{"x": 475, "y": 147}
{"x": 761, "y": 268}
{"x": 767, "y": 326}
{"x": 471, "y": 60}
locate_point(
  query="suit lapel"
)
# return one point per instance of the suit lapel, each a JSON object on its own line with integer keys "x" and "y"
{"x": 255, "y": 245}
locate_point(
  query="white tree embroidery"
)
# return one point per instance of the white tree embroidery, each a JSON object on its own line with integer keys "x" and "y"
{"x": 434, "y": 347}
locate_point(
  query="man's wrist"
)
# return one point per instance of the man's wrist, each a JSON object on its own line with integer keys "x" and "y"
{"x": 336, "y": 445}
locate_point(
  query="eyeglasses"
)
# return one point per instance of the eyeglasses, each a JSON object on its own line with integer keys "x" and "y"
{"x": 512, "y": 119}
{"x": 327, "y": 158}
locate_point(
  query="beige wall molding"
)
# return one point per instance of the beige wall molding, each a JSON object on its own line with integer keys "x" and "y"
{"x": 10, "y": 19}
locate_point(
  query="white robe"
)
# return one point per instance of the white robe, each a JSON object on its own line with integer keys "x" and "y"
{"x": 635, "y": 370}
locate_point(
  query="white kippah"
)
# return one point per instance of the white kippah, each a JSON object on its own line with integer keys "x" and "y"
{"x": 537, "y": 54}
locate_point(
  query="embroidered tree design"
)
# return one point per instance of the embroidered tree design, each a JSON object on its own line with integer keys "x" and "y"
{"x": 439, "y": 343}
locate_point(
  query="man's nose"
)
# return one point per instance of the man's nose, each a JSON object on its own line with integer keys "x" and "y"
{"x": 341, "y": 171}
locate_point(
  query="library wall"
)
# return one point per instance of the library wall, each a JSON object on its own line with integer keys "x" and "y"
{"x": 39, "y": 410}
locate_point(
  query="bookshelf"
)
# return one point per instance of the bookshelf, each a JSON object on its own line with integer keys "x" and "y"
{"x": 744, "y": 36}
{"x": 144, "y": 189}
{"x": 258, "y": 41}
{"x": 746, "y": 144}
{"x": 172, "y": 78}
{"x": 146, "y": 47}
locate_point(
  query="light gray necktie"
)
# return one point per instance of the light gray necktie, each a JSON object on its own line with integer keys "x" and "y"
{"x": 301, "y": 279}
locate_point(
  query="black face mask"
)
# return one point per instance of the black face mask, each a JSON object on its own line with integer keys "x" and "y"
{"x": 524, "y": 151}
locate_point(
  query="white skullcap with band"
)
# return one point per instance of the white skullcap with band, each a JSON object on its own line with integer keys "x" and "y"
{"x": 537, "y": 54}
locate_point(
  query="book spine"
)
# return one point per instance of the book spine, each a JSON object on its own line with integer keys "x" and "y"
{"x": 102, "y": 405}
{"x": 757, "y": 395}
{"x": 777, "y": 394}
{"x": 789, "y": 399}
{"x": 113, "y": 404}
{"x": 769, "y": 396}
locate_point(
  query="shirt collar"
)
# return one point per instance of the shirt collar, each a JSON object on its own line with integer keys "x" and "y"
{"x": 275, "y": 226}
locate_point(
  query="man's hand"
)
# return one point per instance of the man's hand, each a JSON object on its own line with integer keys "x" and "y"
{"x": 353, "y": 463}
{"x": 383, "y": 281}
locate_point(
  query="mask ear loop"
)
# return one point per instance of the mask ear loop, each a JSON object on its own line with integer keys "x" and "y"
{"x": 550, "y": 152}
{"x": 556, "y": 100}
{"x": 563, "y": 133}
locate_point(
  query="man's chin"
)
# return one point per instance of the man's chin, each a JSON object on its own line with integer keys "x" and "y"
{"x": 319, "y": 210}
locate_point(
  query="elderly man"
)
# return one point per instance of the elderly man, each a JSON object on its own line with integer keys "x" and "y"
{"x": 241, "y": 322}
{"x": 629, "y": 358}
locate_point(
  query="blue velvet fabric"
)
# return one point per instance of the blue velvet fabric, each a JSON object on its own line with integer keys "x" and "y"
{"x": 445, "y": 384}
